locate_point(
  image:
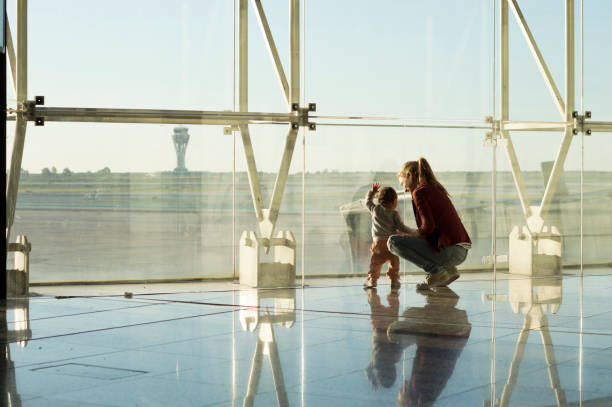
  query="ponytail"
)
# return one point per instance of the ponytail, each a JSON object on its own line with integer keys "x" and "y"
{"x": 423, "y": 173}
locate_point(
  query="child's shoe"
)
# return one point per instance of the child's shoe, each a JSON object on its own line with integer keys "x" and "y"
{"x": 369, "y": 283}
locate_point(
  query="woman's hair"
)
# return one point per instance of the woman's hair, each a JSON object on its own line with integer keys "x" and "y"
{"x": 386, "y": 196}
{"x": 421, "y": 170}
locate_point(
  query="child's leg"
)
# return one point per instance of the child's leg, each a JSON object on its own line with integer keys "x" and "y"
{"x": 394, "y": 267}
{"x": 393, "y": 270}
{"x": 378, "y": 258}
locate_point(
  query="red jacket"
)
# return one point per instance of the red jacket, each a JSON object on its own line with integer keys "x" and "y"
{"x": 436, "y": 217}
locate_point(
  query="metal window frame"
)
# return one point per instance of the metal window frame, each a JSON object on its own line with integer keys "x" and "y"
{"x": 573, "y": 122}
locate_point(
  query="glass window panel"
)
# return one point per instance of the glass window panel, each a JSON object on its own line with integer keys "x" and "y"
{"x": 400, "y": 58}
{"x": 530, "y": 97}
{"x": 597, "y": 199}
{"x": 597, "y": 60}
{"x": 154, "y": 54}
{"x": 109, "y": 202}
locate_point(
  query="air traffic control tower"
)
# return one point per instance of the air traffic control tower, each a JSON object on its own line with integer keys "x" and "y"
{"x": 180, "y": 138}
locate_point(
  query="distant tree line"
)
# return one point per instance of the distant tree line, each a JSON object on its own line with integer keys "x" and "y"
{"x": 65, "y": 172}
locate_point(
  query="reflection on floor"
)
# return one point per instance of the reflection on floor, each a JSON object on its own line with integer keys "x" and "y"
{"x": 331, "y": 343}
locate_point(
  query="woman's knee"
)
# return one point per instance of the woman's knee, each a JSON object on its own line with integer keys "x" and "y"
{"x": 456, "y": 256}
{"x": 392, "y": 243}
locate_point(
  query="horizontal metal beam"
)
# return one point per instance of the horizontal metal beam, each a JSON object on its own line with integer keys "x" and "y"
{"x": 67, "y": 114}
{"x": 598, "y": 126}
{"x": 513, "y": 125}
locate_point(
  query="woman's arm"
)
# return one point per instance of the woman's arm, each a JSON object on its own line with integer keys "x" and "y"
{"x": 401, "y": 227}
{"x": 427, "y": 223}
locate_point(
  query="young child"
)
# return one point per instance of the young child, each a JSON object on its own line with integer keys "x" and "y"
{"x": 386, "y": 221}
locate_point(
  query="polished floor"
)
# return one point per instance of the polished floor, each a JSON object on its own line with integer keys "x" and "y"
{"x": 512, "y": 340}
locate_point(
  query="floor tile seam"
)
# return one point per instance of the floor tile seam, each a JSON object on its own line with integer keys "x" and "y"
{"x": 576, "y": 361}
{"x": 103, "y": 383}
{"x": 28, "y": 396}
{"x": 584, "y": 332}
{"x": 84, "y": 388}
{"x": 565, "y": 388}
{"x": 55, "y": 399}
{"x": 486, "y": 340}
{"x": 337, "y": 396}
{"x": 114, "y": 351}
{"x": 88, "y": 313}
{"x": 185, "y": 340}
{"x": 347, "y": 396}
{"x": 527, "y": 370}
{"x": 88, "y": 365}
{"x": 477, "y": 313}
{"x": 334, "y": 376}
{"x": 135, "y": 294}
{"x": 598, "y": 314}
{"x": 236, "y": 400}
{"x": 328, "y": 342}
{"x": 51, "y": 399}
{"x": 259, "y": 307}
{"x": 344, "y": 397}
{"x": 345, "y": 329}
{"x": 147, "y": 375}
{"x": 553, "y": 330}
{"x": 243, "y": 385}
{"x": 507, "y": 325}
{"x": 193, "y": 381}
{"x": 124, "y": 326}
{"x": 191, "y": 355}
{"x": 451, "y": 395}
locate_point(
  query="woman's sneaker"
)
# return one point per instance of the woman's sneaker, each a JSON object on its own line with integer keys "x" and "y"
{"x": 441, "y": 279}
{"x": 453, "y": 274}
{"x": 369, "y": 283}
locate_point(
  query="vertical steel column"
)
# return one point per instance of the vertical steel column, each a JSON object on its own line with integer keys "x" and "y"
{"x": 295, "y": 52}
{"x": 22, "y": 50}
{"x": 243, "y": 56}
{"x": 504, "y": 108}
{"x": 20, "y": 126}
{"x": 503, "y": 60}
{"x": 10, "y": 50}
{"x": 492, "y": 368}
{"x": 569, "y": 109}
{"x": 233, "y": 243}
{"x": 294, "y": 97}
{"x": 3, "y": 292}
{"x": 243, "y": 106}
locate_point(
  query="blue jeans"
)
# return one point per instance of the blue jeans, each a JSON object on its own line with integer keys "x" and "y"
{"x": 417, "y": 250}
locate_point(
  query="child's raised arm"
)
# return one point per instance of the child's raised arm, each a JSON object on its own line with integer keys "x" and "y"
{"x": 370, "y": 196}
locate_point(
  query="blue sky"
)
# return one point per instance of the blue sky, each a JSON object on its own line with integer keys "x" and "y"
{"x": 409, "y": 59}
